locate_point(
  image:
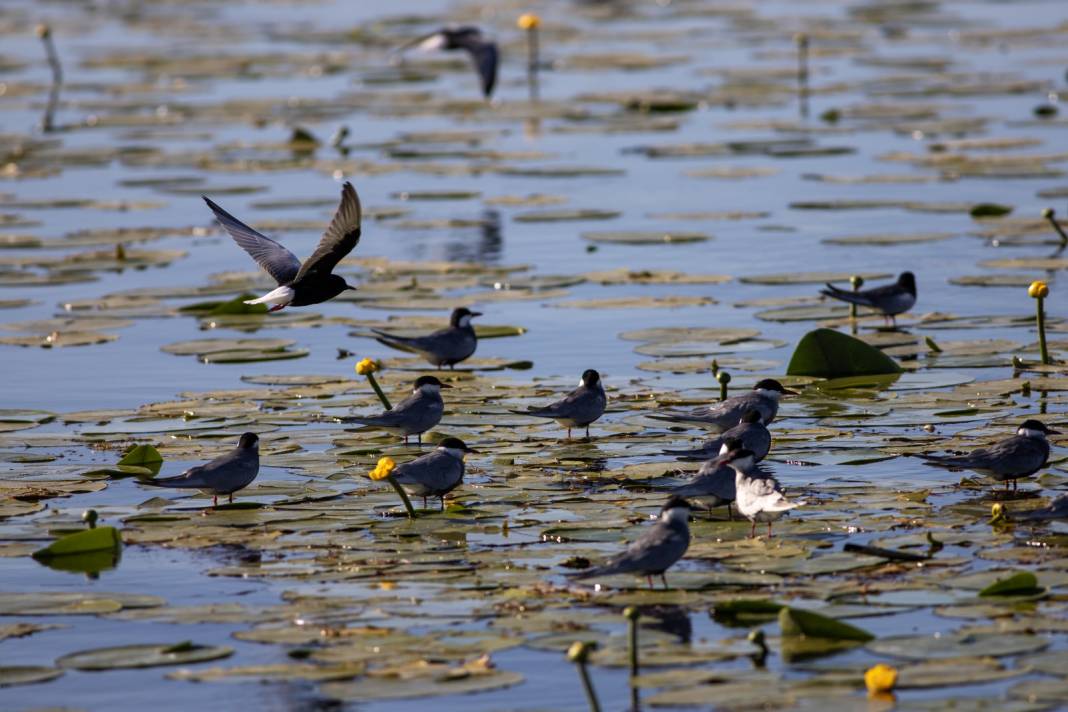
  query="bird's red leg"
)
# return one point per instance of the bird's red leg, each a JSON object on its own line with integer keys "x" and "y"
{"x": 231, "y": 498}
{"x": 215, "y": 500}
{"x": 752, "y": 531}
{"x": 664, "y": 579}
{"x": 769, "y": 530}
{"x": 277, "y": 307}
{"x": 650, "y": 580}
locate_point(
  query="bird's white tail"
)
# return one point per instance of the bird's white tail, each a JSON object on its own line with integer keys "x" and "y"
{"x": 277, "y": 298}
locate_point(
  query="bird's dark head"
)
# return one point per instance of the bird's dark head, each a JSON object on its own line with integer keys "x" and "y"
{"x": 335, "y": 285}
{"x": 248, "y": 441}
{"x": 462, "y": 316}
{"x": 676, "y": 509}
{"x": 771, "y": 386}
{"x": 751, "y": 416}
{"x": 907, "y": 281}
{"x": 732, "y": 445}
{"x": 590, "y": 378}
{"x": 455, "y": 446}
{"x": 1035, "y": 428}
{"x": 429, "y": 381}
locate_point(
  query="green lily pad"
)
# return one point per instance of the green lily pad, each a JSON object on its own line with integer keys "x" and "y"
{"x": 11, "y": 675}
{"x": 645, "y": 238}
{"x": 1024, "y": 583}
{"x": 145, "y": 456}
{"x": 142, "y": 656}
{"x": 825, "y": 353}
{"x": 955, "y": 645}
{"x": 90, "y": 540}
{"x": 795, "y": 622}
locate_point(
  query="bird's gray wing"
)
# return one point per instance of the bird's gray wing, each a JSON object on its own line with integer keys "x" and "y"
{"x": 657, "y": 549}
{"x": 400, "y": 413}
{"x": 561, "y": 408}
{"x": 276, "y": 260}
{"x": 436, "y": 472}
{"x": 341, "y": 236}
{"x": 862, "y": 298}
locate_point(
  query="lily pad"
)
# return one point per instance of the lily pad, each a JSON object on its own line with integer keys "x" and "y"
{"x": 825, "y": 353}
{"x": 142, "y": 656}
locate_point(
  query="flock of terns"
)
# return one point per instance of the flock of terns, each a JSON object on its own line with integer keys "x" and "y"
{"x": 731, "y": 473}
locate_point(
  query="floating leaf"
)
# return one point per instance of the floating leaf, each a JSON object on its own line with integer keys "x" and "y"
{"x": 145, "y": 456}
{"x": 797, "y": 622}
{"x": 11, "y": 675}
{"x": 1024, "y": 583}
{"x": 90, "y": 540}
{"x": 123, "y": 657}
{"x": 825, "y": 353}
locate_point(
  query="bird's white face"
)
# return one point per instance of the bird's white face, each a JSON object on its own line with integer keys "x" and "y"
{"x": 1029, "y": 433}
{"x": 676, "y": 515}
{"x": 743, "y": 463}
{"x": 723, "y": 449}
{"x": 428, "y": 389}
{"x": 464, "y": 321}
{"x": 453, "y": 452}
{"x": 767, "y": 393}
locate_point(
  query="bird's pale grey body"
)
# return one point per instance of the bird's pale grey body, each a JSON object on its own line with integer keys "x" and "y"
{"x": 578, "y": 408}
{"x": 758, "y": 496}
{"x": 654, "y": 551}
{"x": 713, "y": 485}
{"x": 414, "y": 415}
{"x": 224, "y": 475}
{"x": 726, "y": 414}
{"x": 445, "y": 347}
{"x": 1021, "y": 455}
{"x": 754, "y": 436}
{"x": 432, "y": 475}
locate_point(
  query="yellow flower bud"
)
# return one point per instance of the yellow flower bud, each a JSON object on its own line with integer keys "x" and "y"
{"x": 880, "y": 678}
{"x": 366, "y": 367}
{"x": 528, "y": 21}
{"x": 383, "y": 468}
{"x": 1038, "y": 290}
{"x": 43, "y": 30}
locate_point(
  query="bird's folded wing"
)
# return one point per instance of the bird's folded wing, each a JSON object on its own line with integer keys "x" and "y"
{"x": 276, "y": 260}
{"x": 341, "y": 236}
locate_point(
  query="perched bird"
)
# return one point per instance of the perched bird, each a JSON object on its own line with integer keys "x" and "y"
{"x": 713, "y": 485}
{"x": 758, "y": 498}
{"x": 1022, "y": 455}
{"x": 764, "y": 399}
{"x": 751, "y": 431}
{"x": 656, "y": 550}
{"x": 483, "y": 52}
{"x": 414, "y": 415}
{"x": 300, "y": 284}
{"x": 435, "y": 474}
{"x": 445, "y": 347}
{"x": 579, "y": 408}
{"x": 890, "y": 299}
{"x": 225, "y": 474}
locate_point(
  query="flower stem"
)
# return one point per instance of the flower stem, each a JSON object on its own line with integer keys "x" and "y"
{"x": 1040, "y": 317}
{"x": 1051, "y": 217}
{"x": 587, "y": 685}
{"x": 532, "y": 63}
{"x": 378, "y": 391}
{"x": 632, "y": 615}
{"x": 403, "y": 495}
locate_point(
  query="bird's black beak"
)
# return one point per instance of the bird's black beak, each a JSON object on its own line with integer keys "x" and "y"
{"x": 444, "y": 385}
{"x": 471, "y": 450}
{"x": 1051, "y": 431}
{"x": 475, "y": 314}
{"x": 788, "y": 392}
{"x": 352, "y": 288}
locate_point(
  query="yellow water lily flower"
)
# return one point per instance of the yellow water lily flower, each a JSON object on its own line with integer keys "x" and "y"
{"x": 366, "y": 367}
{"x": 1038, "y": 290}
{"x": 383, "y": 468}
{"x": 528, "y": 21}
{"x": 880, "y": 678}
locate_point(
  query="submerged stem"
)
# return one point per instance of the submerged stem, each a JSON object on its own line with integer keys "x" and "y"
{"x": 1040, "y": 318}
{"x": 45, "y": 33}
{"x": 403, "y": 495}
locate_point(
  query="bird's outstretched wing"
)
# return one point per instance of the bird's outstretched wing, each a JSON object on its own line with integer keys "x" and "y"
{"x": 484, "y": 55}
{"x": 276, "y": 260}
{"x": 340, "y": 237}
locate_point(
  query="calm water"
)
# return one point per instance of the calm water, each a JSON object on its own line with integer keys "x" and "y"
{"x": 709, "y": 39}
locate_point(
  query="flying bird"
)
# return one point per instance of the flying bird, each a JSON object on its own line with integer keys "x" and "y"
{"x": 312, "y": 282}
{"x": 764, "y": 399}
{"x": 483, "y": 52}
{"x": 435, "y": 474}
{"x": 1021, "y": 455}
{"x": 224, "y": 475}
{"x": 579, "y": 408}
{"x": 414, "y": 415}
{"x": 890, "y": 299}
{"x": 656, "y": 550}
{"x": 445, "y": 347}
{"x": 751, "y": 432}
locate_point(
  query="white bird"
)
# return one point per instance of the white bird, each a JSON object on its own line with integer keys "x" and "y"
{"x": 758, "y": 499}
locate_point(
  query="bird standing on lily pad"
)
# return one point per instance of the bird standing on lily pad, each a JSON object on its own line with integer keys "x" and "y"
{"x": 224, "y": 475}
{"x": 444, "y": 347}
{"x": 1021, "y": 455}
{"x": 414, "y": 415}
{"x": 312, "y": 282}
{"x": 579, "y": 408}
{"x": 435, "y": 474}
{"x": 889, "y": 299}
{"x": 764, "y": 399}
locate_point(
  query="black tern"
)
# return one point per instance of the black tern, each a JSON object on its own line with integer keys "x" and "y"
{"x": 758, "y": 498}
{"x": 435, "y": 474}
{"x": 1057, "y": 509}
{"x": 445, "y": 347}
{"x": 414, "y": 415}
{"x": 890, "y": 299}
{"x": 312, "y": 282}
{"x": 713, "y": 485}
{"x": 656, "y": 550}
{"x": 764, "y": 398}
{"x": 579, "y": 408}
{"x": 751, "y": 432}
{"x": 483, "y": 52}
{"x": 225, "y": 474}
{"x": 1022, "y": 455}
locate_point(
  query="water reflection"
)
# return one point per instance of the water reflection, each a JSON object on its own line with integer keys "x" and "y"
{"x": 487, "y": 248}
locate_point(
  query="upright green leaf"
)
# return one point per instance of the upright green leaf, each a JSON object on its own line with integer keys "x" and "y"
{"x": 825, "y": 353}
{"x": 795, "y": 622}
